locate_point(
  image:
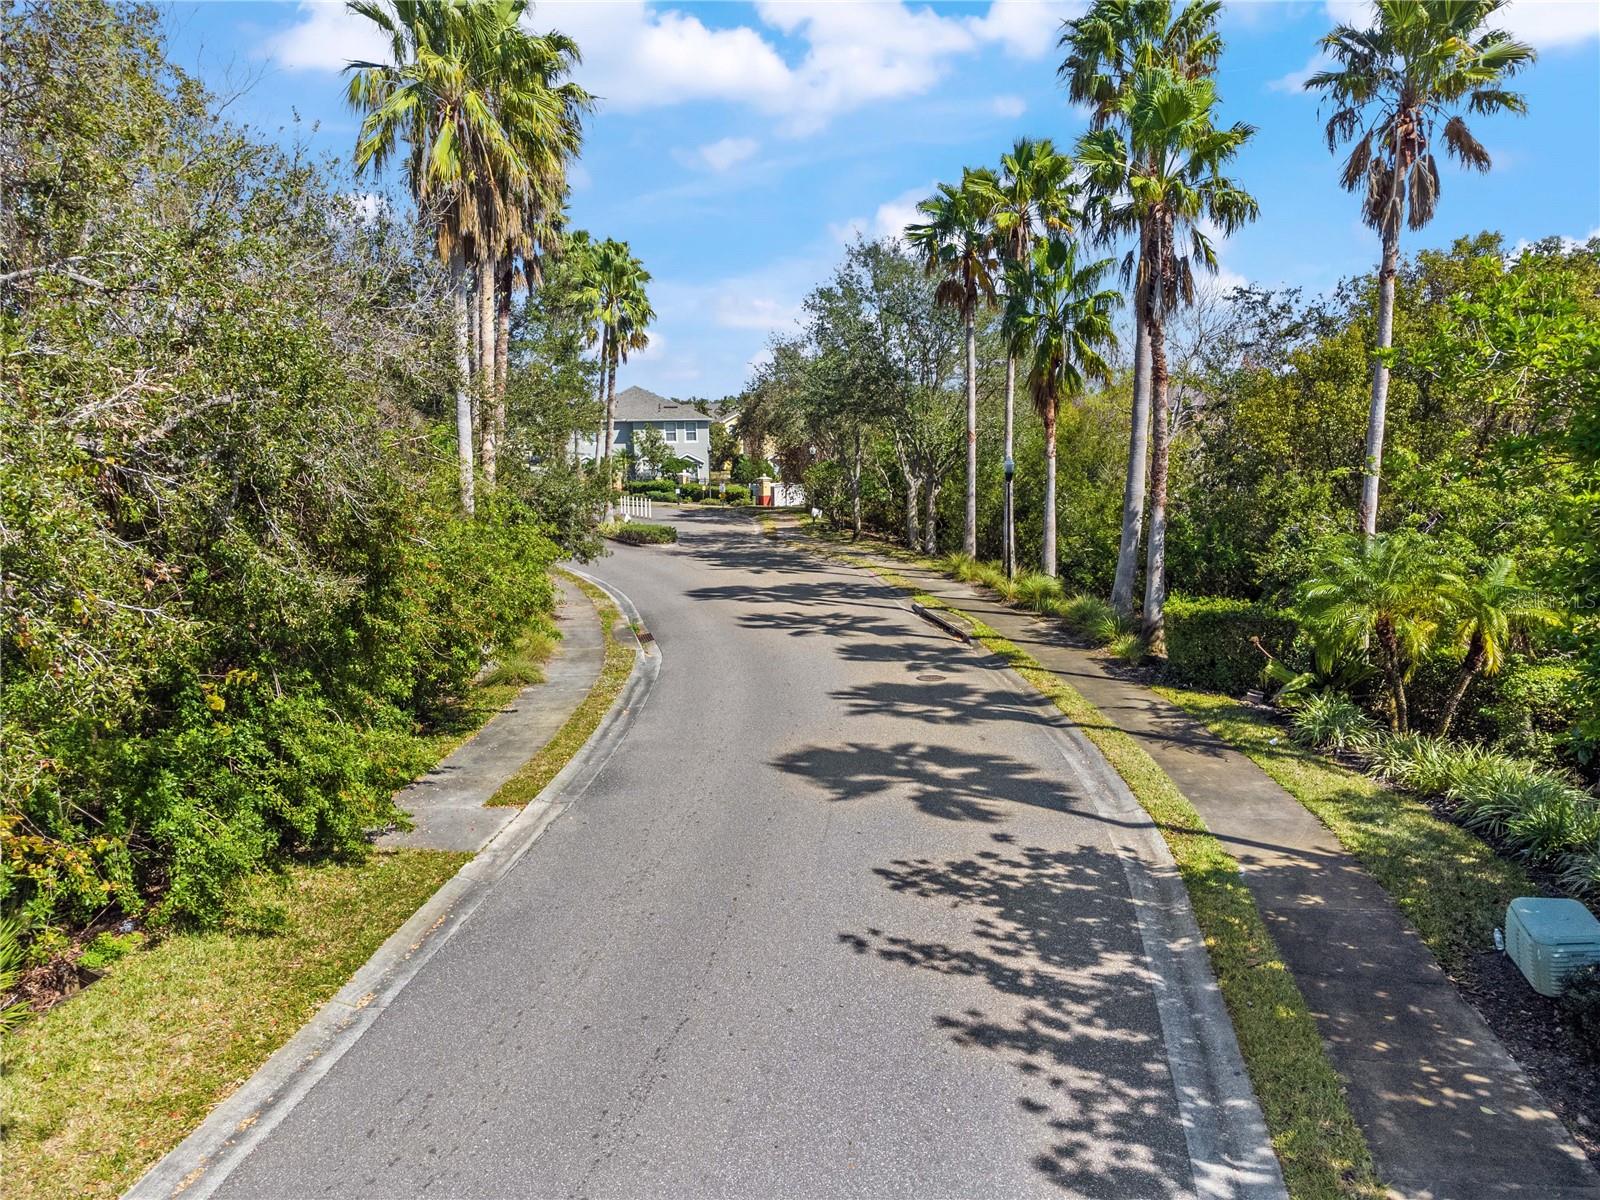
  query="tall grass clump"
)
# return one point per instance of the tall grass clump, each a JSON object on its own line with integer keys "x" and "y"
{"x": 1541, "y": 815}
{"x": 1041, "y": 593}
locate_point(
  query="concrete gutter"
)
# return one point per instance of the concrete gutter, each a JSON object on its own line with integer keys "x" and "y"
{"x": 198, "y": 1165}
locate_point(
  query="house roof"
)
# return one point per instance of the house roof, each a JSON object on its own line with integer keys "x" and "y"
{"x": 636, "y": 404}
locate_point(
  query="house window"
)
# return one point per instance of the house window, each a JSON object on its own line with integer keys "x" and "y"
{"x": 671, "y": 430}
{"x": 691, "y": 432}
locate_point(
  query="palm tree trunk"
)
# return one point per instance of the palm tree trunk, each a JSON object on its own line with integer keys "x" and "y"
{"x": 502, "y": 350}
{"x": 486, "y": 416}
{"x": 1477, "y": 652}
{"x": 1008, "y": 533}
{"x": 1047, "y": 557}
{"x": 1138, "y": 465}
{"x": 969, "y": 534}
{"x": 611, "y": 430}
{"x": 458, "y": 303}
{"x": 1372, "y": 466}
{"x": 1155, "y": 567}
{"x": 1389, "y": 643}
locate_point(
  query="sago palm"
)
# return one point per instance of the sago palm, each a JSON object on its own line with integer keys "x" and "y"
{"x": 1398, "y": 85}
{"x": 1032, "y": 195}
{"x": 1384, "y": 596}
{"x": 1163, "y": 180}
{"x": 1058, "y": 321}
{"x": 1487, "y": 612}
{"x": 958, "y": 248}
{"x": 1105, "y": 50}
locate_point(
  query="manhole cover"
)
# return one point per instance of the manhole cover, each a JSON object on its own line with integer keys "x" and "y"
{"x": 930, "y": 678}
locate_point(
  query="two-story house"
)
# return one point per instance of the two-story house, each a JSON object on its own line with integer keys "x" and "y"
{"x": 685, "y": 429}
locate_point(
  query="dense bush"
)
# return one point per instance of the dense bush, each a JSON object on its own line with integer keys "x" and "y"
{"x": 641, "y": 533}
{"x": 736, "y": 493}
{"x": 237, "y": 583}
{"x": 663, "y": 489}
{"x": 1530, "y": 708}
{"x": 1331, "y": 721}
{"x": 1580, "y": 1007}
{"x": 1210, "y": 642}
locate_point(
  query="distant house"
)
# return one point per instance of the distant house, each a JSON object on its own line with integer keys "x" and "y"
{"x": 685, "y": 429}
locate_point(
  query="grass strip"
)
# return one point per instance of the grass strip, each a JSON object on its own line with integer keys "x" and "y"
{"x": 101, "y": 1086}
{"x": 1452, "y": 887}
{"x": 1321, "y": 1149}
{"x": 539, "y": 770}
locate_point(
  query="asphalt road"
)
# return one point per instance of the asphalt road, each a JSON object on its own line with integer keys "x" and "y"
{"x": 836, "y": 919}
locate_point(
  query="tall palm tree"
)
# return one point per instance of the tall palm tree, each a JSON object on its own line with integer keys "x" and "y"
{"x": 437, "y": 96}
{"x": 1032, "y": 195}
{"x": 1163, "y": 180}
{"x": 543, "y": 113}
{"x": 1058, "y": 321}
{"x": 1105, "y": 48}
{"x": 958, "y": 247}
{"x": 1420, "y": 63}
{"x": 1487, "y": 612}
{"x": 1382, "y": 595}
{"x": 613, "y": 292}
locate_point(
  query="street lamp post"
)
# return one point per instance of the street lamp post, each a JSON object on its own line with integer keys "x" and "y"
{"x": 1009, "y": 535}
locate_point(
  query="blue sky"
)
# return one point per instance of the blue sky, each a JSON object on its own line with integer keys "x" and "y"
{"x": 739, "y": 146}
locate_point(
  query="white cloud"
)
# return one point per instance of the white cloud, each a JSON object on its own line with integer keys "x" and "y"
{"x": 1543, "y": 24}
{"x": 326, "y": 38}
{"x": 1008, "y": 106}
{"x": 1295, "y": 81}
{"x": 1026, "y": 28}
{"x": 720, "y": 155}
{"x": 638, "y": 55}
{"x": 1568, "y": 244}
{"x": 890, "y": 219}
{"x": 735, "y": 310}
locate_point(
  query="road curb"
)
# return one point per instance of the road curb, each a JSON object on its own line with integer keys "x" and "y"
{"x": 202, "y": 1162}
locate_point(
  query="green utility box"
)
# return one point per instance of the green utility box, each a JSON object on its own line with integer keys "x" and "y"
{"x": 1550, "y": 939}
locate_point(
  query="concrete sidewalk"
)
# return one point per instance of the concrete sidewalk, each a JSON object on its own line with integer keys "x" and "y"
{"x": 1448, "y": 1113}
{"x": 448, "y": 803}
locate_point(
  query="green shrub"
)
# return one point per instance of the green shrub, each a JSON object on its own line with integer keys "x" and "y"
{"x": 1531, "y": 708}
{"x": 1209, "y": 642}
{"x": 1331, "y": 721}
{"x": 736, "y": 493}
{"x": 641, "y": 533}
{"x": 1580, "y": 1008}
{"x": 1499, "y": 791}
{"x": 963, "y": 567}
{"x": 1129, "y": 647}
{"x": 1426, "y": 765}
{"x": 1038, "y": 592}
{"x": 1090, "y": 617}
{"x": 1579, "y": 871}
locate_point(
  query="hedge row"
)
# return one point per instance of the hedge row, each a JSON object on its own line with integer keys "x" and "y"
{"x": 641, "y": 533}
{"x": 1209, "y": 642}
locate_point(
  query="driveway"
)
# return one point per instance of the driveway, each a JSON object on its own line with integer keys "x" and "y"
{"x": 842, "y": 915}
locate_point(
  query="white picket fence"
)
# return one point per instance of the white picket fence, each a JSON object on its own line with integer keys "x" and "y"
{"x": 636, "y": 506}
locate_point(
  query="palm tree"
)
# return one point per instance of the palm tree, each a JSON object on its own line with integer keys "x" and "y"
{"x": 958, "y": 247}
{"x": 1422, "y": 61}
{"x": 1383, "y": 595}
{"x": 436, "y": 97}
{"x": 543, "y": 115}
{"x": 613, "y": 292}
{"x": 1058, "y": 321}
{"x": 1162, "y": 181}
{"x": 1487, "y": 613}
{"x": 1105, "y": 48}
{"x": 1033, "y": 194}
